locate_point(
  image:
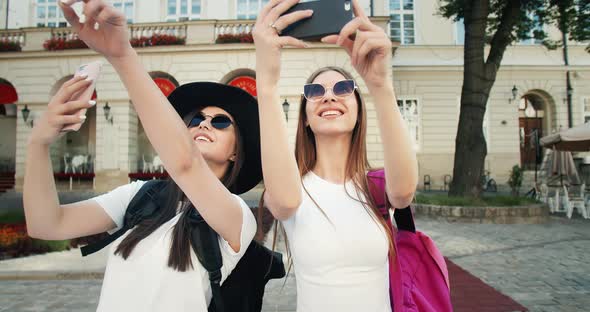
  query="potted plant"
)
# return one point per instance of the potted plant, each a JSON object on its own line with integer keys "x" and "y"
{"x": 515, "y": 181}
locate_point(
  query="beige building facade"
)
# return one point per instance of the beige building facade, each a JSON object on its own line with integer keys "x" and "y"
{"x": 529, "y": 92}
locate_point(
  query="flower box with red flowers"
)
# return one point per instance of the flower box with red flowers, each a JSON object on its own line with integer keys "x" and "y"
{"x": 235, "y": 38}
{"x": 157, "y": 40}
{"x": 9, "y": 46}
{"x": 55, "y": 44}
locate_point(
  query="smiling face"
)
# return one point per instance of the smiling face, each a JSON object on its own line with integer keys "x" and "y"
{"x": 218, "y": 146}
{"x": 331, "y": 115}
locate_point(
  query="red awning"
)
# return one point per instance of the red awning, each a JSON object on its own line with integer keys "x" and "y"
{"x": 165, "y": 85}
{"x": 7, "y": 94}
{"x": 246, "y": 83}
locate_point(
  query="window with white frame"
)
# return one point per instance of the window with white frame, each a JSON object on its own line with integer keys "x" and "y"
{"x": 248, "y": 9}
{"x": 586, "y": 105}
{"x": 401, "y": 25}
{"x": 460, "y": 32}
{"x": 409, "y": 108}
{"x": 125, "y": 6}
{"x": 48, "y": 14}
{"x": 177, "y": 10}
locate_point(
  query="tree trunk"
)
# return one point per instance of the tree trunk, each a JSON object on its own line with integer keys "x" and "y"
{"x": 478, "y": 78}
{"x": 470, "y": 145}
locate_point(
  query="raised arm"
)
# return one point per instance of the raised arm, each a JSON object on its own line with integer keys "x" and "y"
{"x": 163, "y": 126}
{"x": 279, "y": 168}
{"x": 370, "y": 54}
{"x": 45, "y": 217}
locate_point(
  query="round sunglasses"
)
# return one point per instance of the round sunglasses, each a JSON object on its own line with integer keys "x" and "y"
{"x": 219, "y": 121}
{"x": 315, "y": 91}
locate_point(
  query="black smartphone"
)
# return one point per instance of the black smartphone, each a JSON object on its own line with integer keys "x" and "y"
{"x": 329, "y": 16}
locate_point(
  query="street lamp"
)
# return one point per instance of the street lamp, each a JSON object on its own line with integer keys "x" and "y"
{"x": 26, "y": 113}
{"x": 514, "y": 94}
{"x": 107, "y": 113}
{"x": 286, "y": 109}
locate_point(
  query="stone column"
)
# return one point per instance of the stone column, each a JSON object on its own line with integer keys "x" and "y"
{"x": 200, "y": 32}
{"x": 35, "y": 37}
{"x": 23, "y": 132}
{"x": 113, "y": 162}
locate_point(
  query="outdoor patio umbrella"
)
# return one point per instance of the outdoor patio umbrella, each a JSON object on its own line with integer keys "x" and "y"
{"x": 576, "y": 139}
{"x": 561, "y": 167}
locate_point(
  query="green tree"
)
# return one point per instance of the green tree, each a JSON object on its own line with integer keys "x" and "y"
{"x": 498, "y": 23}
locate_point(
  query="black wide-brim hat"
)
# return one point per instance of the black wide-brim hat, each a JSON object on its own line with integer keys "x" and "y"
{"x": 243, "y": 107}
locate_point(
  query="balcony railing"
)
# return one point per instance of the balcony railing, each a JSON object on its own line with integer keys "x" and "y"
{"x": 237, "y": 27}
{"x": 14, "y": 35}
{"x": 194, "y": 32}
{"x": 148, "y": 30}
{"x": 63, "y": 33}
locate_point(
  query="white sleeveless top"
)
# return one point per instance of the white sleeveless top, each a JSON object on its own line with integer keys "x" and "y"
{"x": 341, "y": 267}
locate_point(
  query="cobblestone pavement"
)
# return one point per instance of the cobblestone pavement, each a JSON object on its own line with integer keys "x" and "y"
{"x": 544, "y": 267}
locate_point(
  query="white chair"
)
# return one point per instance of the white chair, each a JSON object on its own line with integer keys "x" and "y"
{"x": 555, "y": 202}
{"x": 67, "y": 163}
{"x": 584, "y": 203}
{"x": 543, "y": 193}
{"x": 157, "y": 164}
{"x": 575, "y": 202}
{"x": 147, "y": 166}
{"x": 79, "y": 163}
{"x": 89, "y": 166}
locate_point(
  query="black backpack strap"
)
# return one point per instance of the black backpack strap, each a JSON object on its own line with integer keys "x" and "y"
{"x": 405, "y": 220}
{"x": 94, "y": 247}
{"x": 142, "y": 206}
{"x": 206, "y": 246}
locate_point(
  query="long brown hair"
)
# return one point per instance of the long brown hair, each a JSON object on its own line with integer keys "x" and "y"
{"x": 179, "y": 257}
{"x": 357, "y": 164}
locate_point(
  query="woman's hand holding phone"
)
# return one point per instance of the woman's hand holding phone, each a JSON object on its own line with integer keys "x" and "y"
{"x": 59, "y": 111}
{"x": 268, "y": 41}
{"x": 369, "y": 51}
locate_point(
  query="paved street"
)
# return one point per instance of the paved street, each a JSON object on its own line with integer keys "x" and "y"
{"x": 544, "y": 267}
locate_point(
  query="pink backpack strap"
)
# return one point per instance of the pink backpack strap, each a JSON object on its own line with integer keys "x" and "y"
{"x": 376, "y": 181}
{"x": 436, "y": 255}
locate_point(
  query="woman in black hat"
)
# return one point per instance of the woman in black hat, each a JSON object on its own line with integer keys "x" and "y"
{"x": 208, "y": 140}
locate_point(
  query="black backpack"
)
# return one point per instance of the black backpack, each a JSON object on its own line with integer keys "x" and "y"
{"x": 243, "y": 289}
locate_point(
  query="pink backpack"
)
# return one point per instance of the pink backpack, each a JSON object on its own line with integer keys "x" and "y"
{"x": 418, "y": 276}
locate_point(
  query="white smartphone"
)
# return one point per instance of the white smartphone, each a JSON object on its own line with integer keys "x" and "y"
{"x": 92, "y": 70}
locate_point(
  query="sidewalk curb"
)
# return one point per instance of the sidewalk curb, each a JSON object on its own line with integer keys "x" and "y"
{"x": 50, "y": 275}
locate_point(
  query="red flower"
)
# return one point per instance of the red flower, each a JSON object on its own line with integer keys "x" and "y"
{"x": 9, "y": 46}
{"x": 11, "y": 234}
{"x": 55, "y": 44}
{"x": 156, "y": 39}
{"x": 235, "y": 38}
